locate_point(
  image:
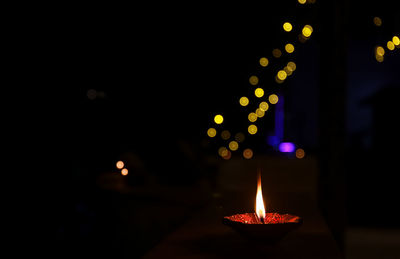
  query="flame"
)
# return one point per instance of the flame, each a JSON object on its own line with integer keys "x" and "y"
{"x": 260, "y": 207}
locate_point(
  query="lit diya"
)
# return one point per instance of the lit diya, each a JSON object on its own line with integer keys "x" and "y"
{"x": 267, "y": 227}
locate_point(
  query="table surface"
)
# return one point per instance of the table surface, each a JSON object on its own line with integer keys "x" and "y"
{"x": 204, "y": 235}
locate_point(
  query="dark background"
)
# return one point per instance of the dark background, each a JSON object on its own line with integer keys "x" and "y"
{"x": 160, "y": 72}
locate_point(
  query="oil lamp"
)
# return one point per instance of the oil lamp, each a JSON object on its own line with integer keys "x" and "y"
{"x": 262, "y": 226}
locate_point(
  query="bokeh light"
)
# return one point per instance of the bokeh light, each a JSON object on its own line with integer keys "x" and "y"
{"x": 259, "y": 92}
{"x": 260, "y": 113}
{"x": 377, "y": 21}
{"x": 281, "y": 75}
{"x": 301, "y": 1}
{"x": 218, "y": 119}
{"x": 278, "y": 80}
{"x": 289, "y": 48}
{"x": 248, "y": 153}
{"x": 300, "y": 153}
{"x": 288, "y": 70}
{"x": 273, "y": 99}
{"x": 252, "y": 129}
{"x": 253, "y": 80}
{"x": 307, "y": 31}
{"x": 379, "y": 51}
{"x": 286, "y": 147}
{"x": 239, "y": 137}
{"x": 287, "y": 26}
{"x": 264, "y": 62}
{"x": 228, "y": 155}
{"x": 233, "y": 145}
{"x": 120, "y": 164}
{"x": 225, "y": 134}
{"x": 124, "y": 171}
{"x": 264, "y": 106}
{"x": 277, "y": 53}
{"x": 244, "y": 101}
{"x": 211, "y": 132}
{"x": 396, "y": 40}
{"x": 390, "y": 45}
{"x": 223, "y": 151}
{"x": 252, "y": 117}
{"x": 379, "y": 58}
{"x": 291, "y": 65}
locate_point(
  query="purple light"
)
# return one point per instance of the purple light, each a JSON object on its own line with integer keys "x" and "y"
{"x": 286, "y": 147}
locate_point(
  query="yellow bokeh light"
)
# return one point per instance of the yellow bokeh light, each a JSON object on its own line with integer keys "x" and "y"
{"x": 252, "y": 129}
{"x": 379, "y": 58}
{"x": 233, "y": 145}
{"x": 252, "y": 117}
{"x": 253, "y": 80}
{"x": 264, "y": 62}
{"x": 273, "y": 99}
{"x": 277, "y": 53}
{"x": 307, "y": 30}
{"x": 278, "y": 80}
{"x": 211, "y": 132}
{"x": 288, "y": 70}
{"x": 301, "y": 1}
{"x": 291, "y": 65}
{"x": 218, "y": 119}
{"x": 248, "y": 153}
{"x": 264, "y": 106}
{"x": 239, "y": 137}
{"x": 390, "y": 45}
{"x": 260, "y": 113}
{"x": 223, "y": 151}
{"x": 259, "y": 92}
{"x": 380, "y": 51}
{"x": 300, "y": 153}
{"x": 396, "y": 40}
{"x": 228, "y": 155}
{"x": 281, "y": 75}
{"x": 287, "y": 26}
{"x": 124, "y": 171}
{"x": 289, "y": 48}
{"x": 377, "y": 21}
{"x": 225, "y": 134}
{"x": 120, "y": 164}
{"x": 244, "y": 101}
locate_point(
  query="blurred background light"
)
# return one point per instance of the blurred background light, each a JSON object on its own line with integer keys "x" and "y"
{"x": 124, "y": 171}
{"x": 278, "y": 80}
{"x": 377, "y": 21}
{"x": 286, "y": 147}
{"x": 273, "y": 99}
{"x": 227, "y": 155}
{"x": 264, "y": 106}
{"x": 289, "y": 48}
{"x": 248, "y": 153}
{"x": 223, "y": 151}
{"x": 218, "y": 119}
{"x": 287, "y": 26}
{"x": 307, "y": 31}
{"x": 252, "y": 129}
{"x": 260, "y": 113}
{"x": 233, "y": 145}
{"x": 379, "y": 58}
{"x": 91, "y": 94}
{"x": 390, "y": 45}
{"x": 239, "y": 137}
{"x": 225, "y": 134}
{"x": 244, "y": 101}
{"x": 120, "y": 165}
{"x": 253, "y": 80}
{"x": 281, "y": 75}
{"x": 277, "y": 53}
{"x": 300, "y": 153}
{"x": 291, "y": 65}
{"x": 259, "y": 92}
{"x": 252, "y": 117}
{"x": 211, "y": 132}
{"x": 264, "y": 62}
{"x": 301, "y": 1}
{"x": 288, "y": 70}
{"x": 396, "y": 40}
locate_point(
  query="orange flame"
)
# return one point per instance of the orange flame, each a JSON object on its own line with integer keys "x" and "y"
{"x": 260, "y": 208}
